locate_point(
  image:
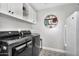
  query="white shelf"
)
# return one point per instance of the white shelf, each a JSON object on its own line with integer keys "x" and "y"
{"x": 18, "y": 17}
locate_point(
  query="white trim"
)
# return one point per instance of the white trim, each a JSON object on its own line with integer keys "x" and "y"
{"x": 54, "y": 49}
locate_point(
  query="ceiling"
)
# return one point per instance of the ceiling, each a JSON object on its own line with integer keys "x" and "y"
{"x": 40, "y": 6}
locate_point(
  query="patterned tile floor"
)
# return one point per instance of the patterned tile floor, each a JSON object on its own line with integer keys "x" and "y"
{"x": 50, "y": 53}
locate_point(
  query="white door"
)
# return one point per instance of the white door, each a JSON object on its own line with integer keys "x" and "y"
{"x": 70, "y": 39}
{"x": 4, "y": 7}
{"x": 32, "y": 14}
{"x": 25, "y": 11}
{"x": 29, "y": 13}
{"x": 16, "y": 9}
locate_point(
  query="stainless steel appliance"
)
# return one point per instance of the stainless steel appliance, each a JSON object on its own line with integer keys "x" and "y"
{"x": 36, "y": 44}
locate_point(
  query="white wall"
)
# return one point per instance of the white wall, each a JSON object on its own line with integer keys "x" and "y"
{"x": 77, "y": 34}
{"x": 54, "y": 38}
{"x": 9, "y": 23}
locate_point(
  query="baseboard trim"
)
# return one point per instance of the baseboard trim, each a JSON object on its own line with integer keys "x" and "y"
{"x": 54, "y": 49}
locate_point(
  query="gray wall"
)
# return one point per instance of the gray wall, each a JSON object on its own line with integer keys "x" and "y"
{"x": 54, "y": 38}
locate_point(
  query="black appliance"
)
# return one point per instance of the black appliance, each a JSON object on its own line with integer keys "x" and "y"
{"x": 4, "y": 37}
{"x": 3, "y": 48}
{"x": 9, "y": 35}
{"x": 21, "y": 48}
{"x": 24, "y": 43}
{"x": 33, "y": 46}
{"x": 16, "y": 50}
